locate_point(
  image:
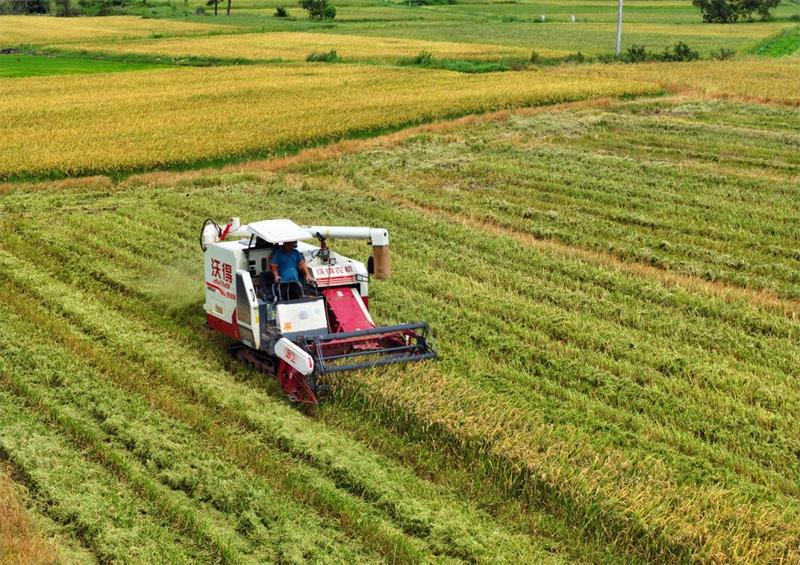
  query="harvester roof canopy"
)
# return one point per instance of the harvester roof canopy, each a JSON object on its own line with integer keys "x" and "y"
{"x": 278, "y": 231}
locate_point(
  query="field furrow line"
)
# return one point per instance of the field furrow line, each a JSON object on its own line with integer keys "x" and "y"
{"x": 611, "y": 370}
{"x": 113, "y": 522}
{"x": 162, "y": 459}
{"x": 304, "y": 483}
{"x": 656, "y": 543}
{"x": 552, "y": 467}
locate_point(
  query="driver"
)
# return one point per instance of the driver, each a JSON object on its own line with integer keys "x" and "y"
{"x": 286, "y": 264}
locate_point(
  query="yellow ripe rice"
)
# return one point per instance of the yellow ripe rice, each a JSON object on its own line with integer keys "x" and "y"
{"x": 83, "y": 124}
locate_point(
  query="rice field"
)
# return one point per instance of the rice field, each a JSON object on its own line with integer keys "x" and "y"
{"x": 608, "y": 256}
{"x": 295, "y": 46}
{"x": 590, "y": 38}
{"x": 42, "y": 31}
{"x": 195, "y": 115}
{"x": 755, "y": 79}
{"x": 616, "y": 308}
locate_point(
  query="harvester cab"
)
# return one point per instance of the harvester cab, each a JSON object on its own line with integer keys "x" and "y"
{"x": 299, "y": 331}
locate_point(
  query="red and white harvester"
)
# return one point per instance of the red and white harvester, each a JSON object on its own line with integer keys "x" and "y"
{"x": 300, "y": 332}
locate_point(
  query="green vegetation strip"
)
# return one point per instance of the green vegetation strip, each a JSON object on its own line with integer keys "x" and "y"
{"x": 19, "y": 65}
{"x": 785, "y": 44}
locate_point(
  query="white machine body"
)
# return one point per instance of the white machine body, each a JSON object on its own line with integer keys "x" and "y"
{"x": 234, "y": 268}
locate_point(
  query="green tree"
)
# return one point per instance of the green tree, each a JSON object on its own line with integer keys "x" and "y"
{"x": 24, "y": 7}
{"x": 64, "y": 8}
{"x": 102, "y": 7}
{"x": 316, "y": 8}
{"x": 731, "y": 11}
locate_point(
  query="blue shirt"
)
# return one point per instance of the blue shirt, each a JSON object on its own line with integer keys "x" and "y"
{"x": 287, "y": 264}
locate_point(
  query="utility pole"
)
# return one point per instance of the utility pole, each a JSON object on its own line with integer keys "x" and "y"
{"x": 619, "y": 27}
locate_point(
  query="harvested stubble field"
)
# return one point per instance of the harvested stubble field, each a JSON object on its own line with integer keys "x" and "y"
{"x": 614, "y": 289}
{"x": 190, "y": 115}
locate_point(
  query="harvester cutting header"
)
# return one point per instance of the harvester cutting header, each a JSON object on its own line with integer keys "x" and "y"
{"x": 300, "y": 311}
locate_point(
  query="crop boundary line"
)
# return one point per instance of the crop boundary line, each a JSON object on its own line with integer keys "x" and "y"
{"x": 305, "y": 156}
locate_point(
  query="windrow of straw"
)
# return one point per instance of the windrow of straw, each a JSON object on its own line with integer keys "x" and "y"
{"x": 19, "y": 540}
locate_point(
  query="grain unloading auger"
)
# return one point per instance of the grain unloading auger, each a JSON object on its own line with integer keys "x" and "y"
{"x": 301, "y": 331}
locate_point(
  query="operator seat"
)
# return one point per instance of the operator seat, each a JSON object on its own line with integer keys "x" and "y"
{"x": 265, "y": 281}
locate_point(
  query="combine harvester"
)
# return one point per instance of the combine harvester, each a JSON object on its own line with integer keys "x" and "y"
{"x": 300, "y": 332}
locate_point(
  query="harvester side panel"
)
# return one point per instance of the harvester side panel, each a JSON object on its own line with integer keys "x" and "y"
{"x": 221, "y": 262}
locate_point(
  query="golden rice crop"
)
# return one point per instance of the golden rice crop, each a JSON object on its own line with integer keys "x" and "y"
{"x": 40, "y": 31}
{"x": 685, "y": 32}
{"x": 761, "y": 80}
{"x": 296, "y": 46}
{"x": 125, "y": 121}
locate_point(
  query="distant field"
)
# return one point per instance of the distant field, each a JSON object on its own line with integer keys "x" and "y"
{"x": 653, "y": 23}
{"x": 589, "y": 38}
{"x": 615, "y": 295}
{"x": 295, "y": 46}
{"x": 195, "y": 115}
{"x": 755, "y": 79}
{"x": 42, "y": 30}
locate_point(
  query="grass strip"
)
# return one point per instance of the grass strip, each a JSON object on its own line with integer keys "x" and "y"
{"x": 785, "y": 44}
{"x": 17, "y": 66}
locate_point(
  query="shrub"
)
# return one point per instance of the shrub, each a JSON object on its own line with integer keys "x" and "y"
{"x": 103, "y": 7}
{"x": 423, "y": 59}
{"x": 329, "y": 12}
{"x": 680, "y": 52}
{"x": 316, "y": 8}
{"x": 723, "y": 54}
{"x": 322, "y": 57}
{"x": 66, "y": 9}
{"x": 535, "y": 57}
{"x": 281, "y": 12}
{"x": 576, "y": 58}
{"x": 24, "y": 7}
{"x": 635, "y": 54}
